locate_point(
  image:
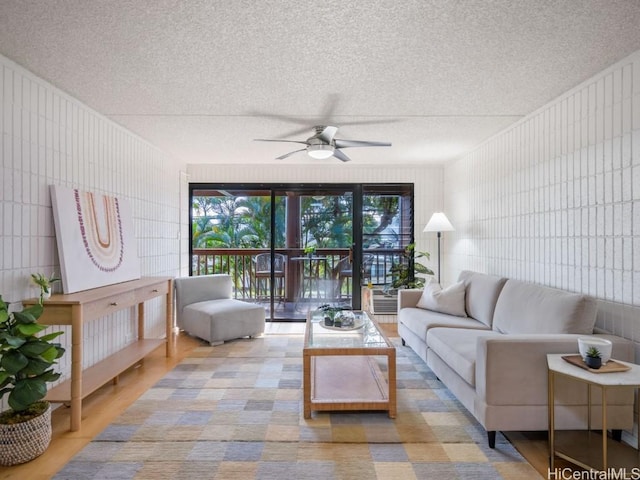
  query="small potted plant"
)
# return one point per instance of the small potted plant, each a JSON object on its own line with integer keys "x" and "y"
{"x": 593, "y": 358}
{"x": 26, "y": 361}
{"x": 329, "y": 314}
{"x": 44, "y": 283}
{"x": 309, "y": 250}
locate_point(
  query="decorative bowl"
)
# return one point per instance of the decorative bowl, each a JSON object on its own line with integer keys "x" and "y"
{"x": 344, "y": 319}
{"x": 603, "y": 345}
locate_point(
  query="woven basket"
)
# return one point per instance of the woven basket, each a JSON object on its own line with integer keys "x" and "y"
{"x": 25, "y": 441}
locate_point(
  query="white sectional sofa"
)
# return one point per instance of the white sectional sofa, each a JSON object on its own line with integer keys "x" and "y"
{"x": 494, "y": 359}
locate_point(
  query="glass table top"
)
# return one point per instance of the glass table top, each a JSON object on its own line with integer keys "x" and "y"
{"x": 363, "y": 334}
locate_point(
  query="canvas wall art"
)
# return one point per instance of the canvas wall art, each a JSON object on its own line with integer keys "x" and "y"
{"x": 95, "y": 238}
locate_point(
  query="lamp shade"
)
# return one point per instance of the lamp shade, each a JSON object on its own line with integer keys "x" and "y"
{"x": 438, "y": 223}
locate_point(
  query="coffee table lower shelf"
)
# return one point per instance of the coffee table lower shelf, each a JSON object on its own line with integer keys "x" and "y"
{"x": 348, "y": 382}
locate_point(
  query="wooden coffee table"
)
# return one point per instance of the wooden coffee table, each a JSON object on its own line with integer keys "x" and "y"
{"x": 341, "y": 369}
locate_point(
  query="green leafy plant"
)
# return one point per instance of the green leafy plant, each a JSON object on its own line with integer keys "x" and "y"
{"x": 401, "y": 273}
{"x": 26, "y": 359}
{"x": 44, "y": 283}
{"x": 593, "y": 352}
{"x": 328, "y": 309}
{"x": 309, "y": 250}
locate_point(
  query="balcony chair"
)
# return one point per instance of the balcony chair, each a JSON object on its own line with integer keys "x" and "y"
{"x": 263, "y": 276}
{"x": 205, "y": 309}
{"x": 343, "y": 271}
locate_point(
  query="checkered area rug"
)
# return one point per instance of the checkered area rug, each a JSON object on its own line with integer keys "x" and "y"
{"x": 235, "y": 412}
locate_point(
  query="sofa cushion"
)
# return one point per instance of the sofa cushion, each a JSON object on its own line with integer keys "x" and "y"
{"x": 223, "y": 319}
{"x": 457, "y": 348}
{"x": 450, "y": 300}
{"x": 419, "y": 321}
{"x": 481, "y": 295}
{"x": 529, "y": 308}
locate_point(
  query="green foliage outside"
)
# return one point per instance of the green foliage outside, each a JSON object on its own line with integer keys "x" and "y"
{"x": 236, "y": 222}
{"x": 326, "y": 221}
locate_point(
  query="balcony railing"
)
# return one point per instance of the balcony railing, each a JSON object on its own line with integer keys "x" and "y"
{"x": 321, "y": 277}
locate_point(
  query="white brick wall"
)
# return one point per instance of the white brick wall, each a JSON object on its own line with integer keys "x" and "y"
{"x": 555, "y": 199}
{"x": 49, "y": 138}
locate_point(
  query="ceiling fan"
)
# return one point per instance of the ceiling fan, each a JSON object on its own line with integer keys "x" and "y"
{"x": 323, "y": 144}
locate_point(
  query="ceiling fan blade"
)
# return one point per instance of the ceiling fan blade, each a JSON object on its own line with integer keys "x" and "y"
{"x": 275, "y": 140}
{"x": 339, "y": 154}
{"x": 360, "y": 143}
{"x": 298, "y": 120}
{"x": 382, "y": 120}
{"x": 299, "y": 131}
{"x": 282, "y": 157}
{"x": 327, "y": 134}
{"x": 330, "y": 106}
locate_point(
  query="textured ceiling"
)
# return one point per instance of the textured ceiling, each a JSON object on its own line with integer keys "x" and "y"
{"x": 201, "y": 79}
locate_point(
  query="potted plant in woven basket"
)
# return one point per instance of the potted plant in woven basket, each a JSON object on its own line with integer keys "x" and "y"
{"x": 26, "y": 361}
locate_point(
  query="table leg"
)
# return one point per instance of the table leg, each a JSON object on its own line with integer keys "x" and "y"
{"x": 551, "y": 412}
{"x": 306, "y": 384}
{"x": 140, "y": 320}
{"x": 170, "y": 332}
{"x": 76, "y": 367}
{"x": 604, "y": 428}
{"x": 589, "y": 408}
{"x": 392, "y": 383}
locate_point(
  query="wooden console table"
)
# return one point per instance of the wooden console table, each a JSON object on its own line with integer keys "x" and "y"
{"x": 76, "y": 309}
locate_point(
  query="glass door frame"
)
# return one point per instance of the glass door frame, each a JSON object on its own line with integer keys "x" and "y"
{"x": 356, "y": 222}
{"x": 358, "y": 190}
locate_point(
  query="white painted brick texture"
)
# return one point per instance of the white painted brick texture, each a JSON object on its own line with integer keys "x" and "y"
{"x": 555, "y": 199}
{"x": 48, "y": 137}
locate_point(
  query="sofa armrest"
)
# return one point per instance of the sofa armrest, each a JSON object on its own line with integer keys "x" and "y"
{"x": 408, "y": 297}
{"x": 512, "y": 369}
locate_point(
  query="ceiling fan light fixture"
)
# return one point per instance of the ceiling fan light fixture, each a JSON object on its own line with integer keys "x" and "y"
{"x": 320, "y": 152}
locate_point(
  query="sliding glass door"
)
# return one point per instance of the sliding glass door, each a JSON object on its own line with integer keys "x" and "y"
{"x": 319, "y": 244}
{"x": 293, "y": 248}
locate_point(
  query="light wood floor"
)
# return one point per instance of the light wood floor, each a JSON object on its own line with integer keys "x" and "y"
{"x": 101, "y": 408}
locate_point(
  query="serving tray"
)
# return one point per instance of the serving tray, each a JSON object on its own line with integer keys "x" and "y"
{"x": 610, "y": 367}
{"x": 357, "y": 323}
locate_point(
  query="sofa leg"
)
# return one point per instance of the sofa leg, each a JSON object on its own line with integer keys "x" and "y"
{"x": 616, "y": 435}
{"x": 491, "y": 435}
{"x": 404, "y": 344}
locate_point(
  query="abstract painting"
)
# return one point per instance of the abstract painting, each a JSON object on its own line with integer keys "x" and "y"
{"x": 95, "y": 237}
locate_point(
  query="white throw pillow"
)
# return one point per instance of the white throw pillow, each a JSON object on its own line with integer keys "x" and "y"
{"x": 450, "y": 300}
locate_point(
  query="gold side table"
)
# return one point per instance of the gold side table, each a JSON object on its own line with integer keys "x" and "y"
{"x": 558, "y": 367}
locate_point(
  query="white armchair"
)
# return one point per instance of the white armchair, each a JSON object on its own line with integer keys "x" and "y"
{"x": 205, "y": 308}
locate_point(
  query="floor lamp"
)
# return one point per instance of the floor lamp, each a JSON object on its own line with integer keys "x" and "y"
{"x": 438, "y": 223}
